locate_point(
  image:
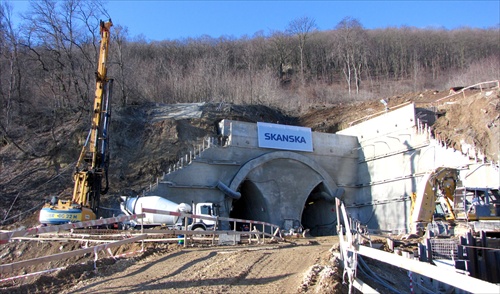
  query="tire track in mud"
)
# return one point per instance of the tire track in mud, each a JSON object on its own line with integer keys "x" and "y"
{"x": 281, "y": 271}
{"x": 278, "y": 269}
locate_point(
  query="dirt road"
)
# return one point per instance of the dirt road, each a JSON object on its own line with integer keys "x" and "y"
{"x": 270, "y": 268}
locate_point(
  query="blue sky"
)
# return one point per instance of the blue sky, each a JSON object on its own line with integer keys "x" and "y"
{"x": 168, "y": 20}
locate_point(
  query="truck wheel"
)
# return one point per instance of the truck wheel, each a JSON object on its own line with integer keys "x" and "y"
{"x": 199, "y": 234}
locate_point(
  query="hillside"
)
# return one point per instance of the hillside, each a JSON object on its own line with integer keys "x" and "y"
{"x": 471, "y": 118}
{"x": 37, "y": 162}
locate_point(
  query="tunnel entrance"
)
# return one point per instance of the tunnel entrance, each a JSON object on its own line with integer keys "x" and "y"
{"x": 251, "y": 206}
{"x": 319, "y": 214}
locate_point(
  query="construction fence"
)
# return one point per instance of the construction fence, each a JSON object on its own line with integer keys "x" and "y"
{"x": 184, "y": 237}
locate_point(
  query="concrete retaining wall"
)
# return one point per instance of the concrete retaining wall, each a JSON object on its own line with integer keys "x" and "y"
{"x": 395, "y": 151}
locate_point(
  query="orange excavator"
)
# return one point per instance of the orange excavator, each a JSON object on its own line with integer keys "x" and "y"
{"x": 92, "y": 166}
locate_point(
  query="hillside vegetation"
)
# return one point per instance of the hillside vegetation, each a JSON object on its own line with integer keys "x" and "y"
{"x": 48, "y": 63}
{"x": 317, "y": 78}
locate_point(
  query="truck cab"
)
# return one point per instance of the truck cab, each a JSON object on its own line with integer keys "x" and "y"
{"x": 205, "y": 209}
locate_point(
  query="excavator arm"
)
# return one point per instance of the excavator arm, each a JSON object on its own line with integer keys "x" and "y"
{"x": 440, "y": 182}
{"x": 92, "y": 164}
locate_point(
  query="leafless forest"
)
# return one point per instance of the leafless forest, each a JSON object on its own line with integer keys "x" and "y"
{"x": 48, "y": 62}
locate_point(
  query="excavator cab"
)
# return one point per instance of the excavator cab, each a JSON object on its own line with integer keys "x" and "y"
{"x": 443, "y": 209}
{"x": 439, "y": 212}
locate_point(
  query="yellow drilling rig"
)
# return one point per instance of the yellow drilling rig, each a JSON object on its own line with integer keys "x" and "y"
{"x": 92, "y": 165}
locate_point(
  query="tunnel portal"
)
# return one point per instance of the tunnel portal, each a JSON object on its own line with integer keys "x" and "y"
{"x": 286, "y": 189}
{"x": 319, "y": 214}
{"x": 280, "y": 184}
{"x": 251, "y": 205}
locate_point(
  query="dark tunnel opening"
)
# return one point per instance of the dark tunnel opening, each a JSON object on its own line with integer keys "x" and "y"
{"x": 319, "y": 214}
{"x": 251, "y": 206}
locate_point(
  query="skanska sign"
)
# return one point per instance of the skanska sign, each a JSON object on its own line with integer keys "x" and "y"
{"x": 284, "y": 137}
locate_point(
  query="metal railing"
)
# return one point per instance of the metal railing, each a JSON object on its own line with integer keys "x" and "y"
{"x": 187, "y": 159}
{"x": 274, "y": 229}
{"x": 481, "y": 86}
{"x": 142, "y": 236}
{"x": 350, "y": 248}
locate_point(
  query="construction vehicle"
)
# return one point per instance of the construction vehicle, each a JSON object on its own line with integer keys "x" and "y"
{"x": 441, "y": 196}
{"x": 435, "y": 187}
{"x": 92, "y": 165}
{"x": 134, "y": 205}
{"x": 479, "y": 207}
{"x": 477, "y": 203}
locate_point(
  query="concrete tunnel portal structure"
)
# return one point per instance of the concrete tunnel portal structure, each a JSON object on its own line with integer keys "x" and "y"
{"x": 290, "y": 188}
{"x": 273, "y": 199}
{"x": 373, "y": 167}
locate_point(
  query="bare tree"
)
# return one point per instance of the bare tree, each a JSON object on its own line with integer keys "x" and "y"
{"x": 120, "y": 38}
{"x": 252, "y": 62}
{"x": 9, "y": 51}
{"x": 61, "y": 44}
{"x": 351, "y": 44}
{"x": 282, "y": 51}
{"x": 302, "y": 27}
{"x": 60, "y": 37}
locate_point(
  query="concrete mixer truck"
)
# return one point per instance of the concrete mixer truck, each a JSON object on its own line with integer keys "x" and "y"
{"x": 134, "y": 205}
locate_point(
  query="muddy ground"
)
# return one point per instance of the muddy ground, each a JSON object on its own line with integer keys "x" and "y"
{"x": 296, "y": 265}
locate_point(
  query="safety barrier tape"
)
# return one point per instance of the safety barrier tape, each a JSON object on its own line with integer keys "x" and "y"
{"x": 195, "y": 216}
{"x": 4, "y": 268}
{"x": 61, "y": 268}
{"x": 411, "y": 282}
{"x": 31, "y": 274}
{"x": 127, "y": 253}
{"x": 6, "y": 236}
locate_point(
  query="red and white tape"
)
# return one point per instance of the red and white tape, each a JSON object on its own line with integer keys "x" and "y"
{"x": 22, "y": 264}
{"x": 128, "y": 253}
{"x": 180, "y": 214}
{"x": 6, "y": 236}
{"x": 31, "y": 274}
{"x": 61, "y": 268}
{"x": 411, "y": 282}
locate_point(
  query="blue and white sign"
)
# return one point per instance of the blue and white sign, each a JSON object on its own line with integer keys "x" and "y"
{"x": 284, "y": 137}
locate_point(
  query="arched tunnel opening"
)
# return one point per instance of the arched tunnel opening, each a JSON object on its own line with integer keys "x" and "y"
{"x": 251, "y": 206}
{"x": 319, "y": 214}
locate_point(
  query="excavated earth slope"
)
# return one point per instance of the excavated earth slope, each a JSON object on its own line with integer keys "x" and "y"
{"x": 37, "y": 161}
